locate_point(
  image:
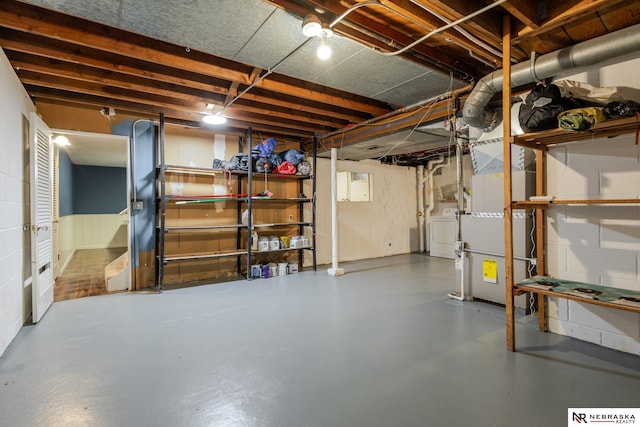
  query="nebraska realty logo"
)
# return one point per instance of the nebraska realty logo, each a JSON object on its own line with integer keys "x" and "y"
{"x": 603, "y": 416}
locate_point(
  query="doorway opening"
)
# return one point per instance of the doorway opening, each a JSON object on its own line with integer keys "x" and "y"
{"x": 91, "y": 220}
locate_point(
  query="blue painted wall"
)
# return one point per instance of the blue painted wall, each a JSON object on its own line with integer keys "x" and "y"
{"x": 90, "y": 189}
{"x": 65, "y": 184}
{"x": 143, "y": 183}
{"x": 99, "y": 189}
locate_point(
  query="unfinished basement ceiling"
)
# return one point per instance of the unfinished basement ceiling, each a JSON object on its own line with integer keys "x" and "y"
{"x": 175, "y": 56}
{"x": 258, "y": 34}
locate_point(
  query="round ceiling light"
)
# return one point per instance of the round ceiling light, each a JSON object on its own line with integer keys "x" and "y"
{"x": 61, "y": 140}
{"x": 311, "y": 26}
{"x": 214, "y": 119}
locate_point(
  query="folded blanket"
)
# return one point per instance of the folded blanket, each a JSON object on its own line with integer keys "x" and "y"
{"x": 581, "y": 118}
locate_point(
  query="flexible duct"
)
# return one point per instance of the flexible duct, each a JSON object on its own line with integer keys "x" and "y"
{"x": 591, "y": 52}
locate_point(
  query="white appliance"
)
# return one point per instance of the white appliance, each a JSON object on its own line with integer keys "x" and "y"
{"x": 442, "y": 234}
{"x": 483, "y": 235}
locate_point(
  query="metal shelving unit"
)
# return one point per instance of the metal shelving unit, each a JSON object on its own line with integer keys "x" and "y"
{"x": 301, "y": 223}
{"x": 243, "y": 201}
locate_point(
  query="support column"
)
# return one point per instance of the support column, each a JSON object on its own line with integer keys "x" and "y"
{"x": 508, "y": 218}
{"x": 334, "y": 270}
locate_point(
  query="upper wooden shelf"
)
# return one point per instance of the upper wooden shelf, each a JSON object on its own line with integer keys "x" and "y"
{"x": 542, "y": 204}
{"x": 609, "y": 128}
{"x": 208, "y": 171}
{"x": 192, "y": 170}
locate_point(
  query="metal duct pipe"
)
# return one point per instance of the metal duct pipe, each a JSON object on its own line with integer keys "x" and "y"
{"x": 591, "y": 52}
{"x": 420, "y": 178}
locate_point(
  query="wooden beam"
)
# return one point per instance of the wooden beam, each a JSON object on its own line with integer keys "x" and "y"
{"x": 143, "y": 110}
{"x": 30, "y": 54}
{"x": 428, "y": 22}
{"x": 563, "y": 13}
{"x": 255, "y": 73}
{"x": 506, "y": 151}
{"x": 56, "y": 50}
{"x": 158, "y": 101}
{"x": 45, "y": 22}
{"x": 359, "y": 27}
{"x": 233, "y": 92}
{"x": 524, "y": 10}
{"x": 377, "y": 128}
{"x": 486, "y": 26}
{"x": 86, "y": 34}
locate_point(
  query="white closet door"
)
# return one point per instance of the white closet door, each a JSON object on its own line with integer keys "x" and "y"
{"x": 41, "y": 216}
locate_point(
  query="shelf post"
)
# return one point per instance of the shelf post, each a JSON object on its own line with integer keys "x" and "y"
{"x": 249, "y": 201}
{"x": 508, "y": 217}
{"x": 163, "y": 209}
{"x": 540, "y": 234}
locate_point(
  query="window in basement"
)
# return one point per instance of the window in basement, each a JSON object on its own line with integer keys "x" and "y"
{"x": 353, "y": 187}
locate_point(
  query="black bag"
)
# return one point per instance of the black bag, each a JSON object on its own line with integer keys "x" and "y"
{"x": 540, "y": 109}
{"x": 617, "y": 109}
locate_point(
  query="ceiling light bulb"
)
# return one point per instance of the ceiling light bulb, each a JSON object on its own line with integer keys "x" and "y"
{"x": 324, "y": 51}
{"x": 311, "y": 26}
{"x": 61, "y": 140}
{"x": 214, "y": 119}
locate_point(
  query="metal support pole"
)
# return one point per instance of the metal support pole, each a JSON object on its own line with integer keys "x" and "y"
{"x": 334, "y": 270}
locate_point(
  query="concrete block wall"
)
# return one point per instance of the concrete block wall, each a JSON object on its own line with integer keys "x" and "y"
{"x": 386, "y": 225}
{"x": 595, "y": 243}
{"x": 15, "y": 106}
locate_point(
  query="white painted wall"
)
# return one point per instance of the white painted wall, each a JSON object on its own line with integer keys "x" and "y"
{"x": 596, "y": 244}
{"x": 14, "y": 104}
{"x": 99, "y": 231}
{"x": 66, "y": 243}
{"x": 387, "y": 225}
{"x": 94, "y": 231}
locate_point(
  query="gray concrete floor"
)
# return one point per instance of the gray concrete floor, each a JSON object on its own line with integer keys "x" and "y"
{"x": 380, "y": 346}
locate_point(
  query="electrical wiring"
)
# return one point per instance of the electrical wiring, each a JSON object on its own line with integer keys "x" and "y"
{"x": 416, "y": 126}
{"x": 391, "y": 117}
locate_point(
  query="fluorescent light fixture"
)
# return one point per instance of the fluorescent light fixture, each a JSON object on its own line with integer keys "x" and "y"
{"x": 61, "y": 140}
{"x": 311, "y": 26}
{"x": 214, "y": 119}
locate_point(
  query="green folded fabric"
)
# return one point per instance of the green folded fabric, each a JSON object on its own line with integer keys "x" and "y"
{"x": 581, "y": 118}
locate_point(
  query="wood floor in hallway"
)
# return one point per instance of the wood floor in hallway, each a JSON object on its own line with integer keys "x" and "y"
{"x": 84, "y": 276}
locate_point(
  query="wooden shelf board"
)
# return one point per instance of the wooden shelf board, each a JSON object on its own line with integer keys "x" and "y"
{"x": 281, "y": 250}
{"x": 195, "y": 171}
{"x": 281, "y": 224}
{"x": 542, "y": 204}
{"x": 607, "y": 128}
{"x": 257, "y": 175}
{"x": 210, "y": 171}
{"x": 202, "y": 227}
{"x": 564, "y": 286}
{"x": 203, "y": 256}
{"x": 272, "y": 199}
